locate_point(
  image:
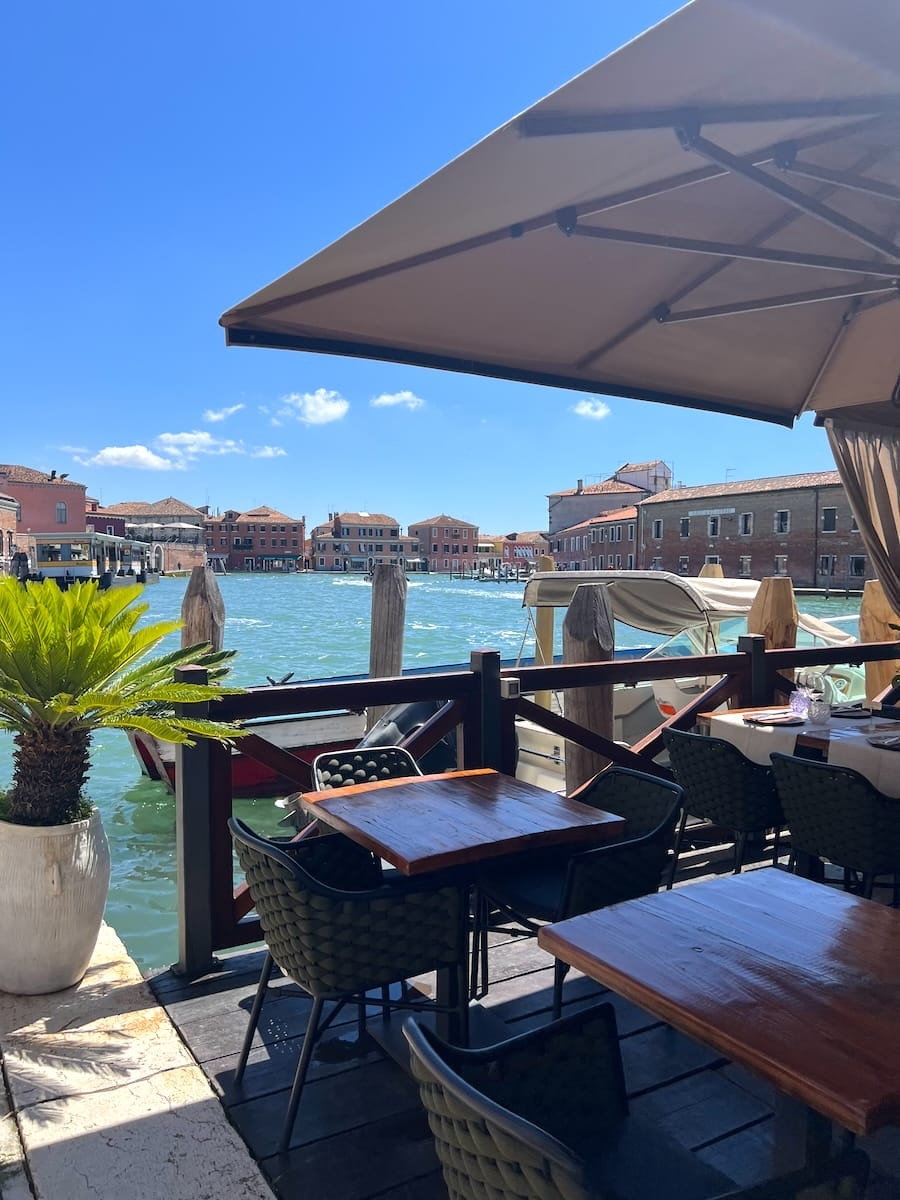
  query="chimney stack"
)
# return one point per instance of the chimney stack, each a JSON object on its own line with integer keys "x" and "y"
{"x": 580, "y": 487}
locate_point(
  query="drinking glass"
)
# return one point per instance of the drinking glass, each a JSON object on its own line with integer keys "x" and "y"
{"x": 819, "y": 712}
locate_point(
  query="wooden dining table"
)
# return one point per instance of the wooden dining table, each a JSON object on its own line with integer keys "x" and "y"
{"x": 455, "y": 821}
{"x": 428, "y": 823}
{"x": 797, "y": 982}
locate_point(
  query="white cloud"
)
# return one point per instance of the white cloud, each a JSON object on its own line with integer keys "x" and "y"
{"x": 268, "y": 452}
{"x": 193, "y": 444}
{"x": 139, "y": 458}
{"x": 320, "y": 407}
{"x": 221, "y": 414}
{"x": 594, "y": 410}
{"x": 75, "y": 450}
{"x": 392, "y": 399}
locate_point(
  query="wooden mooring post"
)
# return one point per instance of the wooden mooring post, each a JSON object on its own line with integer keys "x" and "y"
{"x": 203, "y": 610}
{"x": 389, "y": 587}
{"x": 875, "y": 619}
{"x": 588, "y": 637}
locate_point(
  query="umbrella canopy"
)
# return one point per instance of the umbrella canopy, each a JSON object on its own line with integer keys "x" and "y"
{"x": 705, "y": 218}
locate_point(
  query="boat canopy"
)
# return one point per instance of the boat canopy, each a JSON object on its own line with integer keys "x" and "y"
{"x": 659, "y": 602}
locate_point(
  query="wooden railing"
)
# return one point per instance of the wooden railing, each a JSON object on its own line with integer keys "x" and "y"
{"x": 482, "y": 703}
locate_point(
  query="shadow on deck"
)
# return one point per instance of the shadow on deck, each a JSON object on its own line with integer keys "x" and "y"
{"x": 361, "y": 1133}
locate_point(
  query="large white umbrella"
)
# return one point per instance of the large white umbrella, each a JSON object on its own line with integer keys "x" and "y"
{"x": 705, "y": 218}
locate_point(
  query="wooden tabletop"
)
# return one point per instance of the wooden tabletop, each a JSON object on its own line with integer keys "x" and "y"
{"x": 796, "y": 981}
{"x": 432, "y": 822}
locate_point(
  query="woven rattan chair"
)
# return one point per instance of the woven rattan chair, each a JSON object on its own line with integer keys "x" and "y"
{"x": 544, "y": 1117}
{"x": 722, "y": 786}
{"x": 559, "y": 884}
{"x": 343, "y": 768}
{"x": 834, "y": 813}
{"x": 338, "y": 930}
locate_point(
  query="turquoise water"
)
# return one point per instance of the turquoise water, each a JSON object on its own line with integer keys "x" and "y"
{"x": 314, "y": 626}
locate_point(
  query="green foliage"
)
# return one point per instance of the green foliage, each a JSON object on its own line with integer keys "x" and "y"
{"x": 73, "y": 661}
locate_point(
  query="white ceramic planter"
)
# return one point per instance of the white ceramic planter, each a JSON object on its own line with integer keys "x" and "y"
{"x": 54, "y": 882}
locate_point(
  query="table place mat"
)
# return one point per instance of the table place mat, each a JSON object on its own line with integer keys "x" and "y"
{"x": 851, "y": 711}
{"x": 860, "y": 755}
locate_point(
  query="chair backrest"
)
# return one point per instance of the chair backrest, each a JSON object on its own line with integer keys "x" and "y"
{"x": 721, "y": 784}
{"x": 343, "y": 768}
{"x": 331, "y": 924}
{"x": 835, "y": 813}
{"x": 645, "y": 801}
{"x": 491, "y": 1111}
{"x": 621, "y": 871}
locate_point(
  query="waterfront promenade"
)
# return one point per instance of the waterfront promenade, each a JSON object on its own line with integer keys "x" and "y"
{"x": 102, "y": 1099}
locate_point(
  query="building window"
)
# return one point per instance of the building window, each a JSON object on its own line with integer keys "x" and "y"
{"x": 854, "y": 524}
{"x": 684, "y": 564}
{"x": 62, "y": 513}
{"x": 657, "y": 529}
{"x": 684, "y": 527}
{"x": 782, "y": 522}
{"x": 262, "y": 541}
{"x": 618, "y": 533}
{"x": 745, "y": 523}
{"x": 829, "y": 520}
{"x": 712, "y": 526}
{"x": 630, "y": 562}
{"x": 744, "y": 564}
{"x": 609, "y": 562}
{"x": 712, "y": 558}
{"x": 827, "y": 564}
{"x": 856, "y": 566}
{"x": 655, "y": 564}
{"x": 631, "y": 532}
{"x": 781, "y": 564}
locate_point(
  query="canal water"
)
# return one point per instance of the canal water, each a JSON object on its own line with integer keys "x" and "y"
{"x": 313, "y": 626}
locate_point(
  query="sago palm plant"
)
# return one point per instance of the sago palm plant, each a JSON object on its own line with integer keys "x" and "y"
{"x": 69, "y": 665}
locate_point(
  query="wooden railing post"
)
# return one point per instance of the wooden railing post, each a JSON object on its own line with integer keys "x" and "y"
{"x": 754, "y": 645}
{"x": 193, "y": 841}
{"x": 483, "y": 738}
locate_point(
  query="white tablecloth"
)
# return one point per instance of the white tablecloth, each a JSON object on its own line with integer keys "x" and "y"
{"x": 847, "y": 745}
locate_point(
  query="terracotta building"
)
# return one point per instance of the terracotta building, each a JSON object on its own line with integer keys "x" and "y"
{"x": 359, "y": 541}
{"x": 98, "y": 519}
{"x": 9, "y": 522}
{"x": 48, "y": 502}
{"x": 447, "y": 543}
{"x": 796, "y": 525}
{"x": 261, "y": 539}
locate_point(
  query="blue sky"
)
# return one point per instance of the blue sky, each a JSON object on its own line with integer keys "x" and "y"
{"x": 164, "y": 161}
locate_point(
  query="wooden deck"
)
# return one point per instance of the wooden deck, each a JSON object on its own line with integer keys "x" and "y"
{"x": 360, "y": 1132}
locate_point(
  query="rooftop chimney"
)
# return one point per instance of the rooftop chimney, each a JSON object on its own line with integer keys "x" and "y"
{"x": 580, "y": 487}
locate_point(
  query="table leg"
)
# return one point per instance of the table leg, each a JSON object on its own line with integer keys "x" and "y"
{"x": 803, "y": 1137}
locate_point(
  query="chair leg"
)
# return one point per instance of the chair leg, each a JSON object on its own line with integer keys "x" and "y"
{"x": 896, "y": 897}
{"x": 309, "y": 1042}
{"x": 560, "y": 971}
{"x": 776, "y": 846}
{"x": 261, "y": 988}
{"x": 740, "y": 842}
{"x": 463, "y": 1005}
{"x": 867, "y": 884}
{"x": 479, "y": 936}
{"x": 676, "y": 849}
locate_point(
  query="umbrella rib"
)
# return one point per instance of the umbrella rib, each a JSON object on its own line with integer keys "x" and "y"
{"x": 666, "y": 316}
{"x": 692, "y": 140}
{"x": 771, "y": 230}
{"x": 794, "y": 258}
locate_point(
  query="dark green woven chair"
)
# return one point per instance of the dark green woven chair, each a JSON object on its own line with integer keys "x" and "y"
{"x": 544, "y": 1117}
{"x": 834, "y": 813}
{"x": 524, "y": 893}
{"x": 721, "y": 785}
{"x": 344, "y": 768}
{"x": 334, "y": 926}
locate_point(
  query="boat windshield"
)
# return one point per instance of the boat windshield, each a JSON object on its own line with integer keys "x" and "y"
{"x": 721, "y": 637}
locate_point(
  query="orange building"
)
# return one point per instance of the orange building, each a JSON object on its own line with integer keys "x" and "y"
{"x": 48, "y": 502}
{"x": 447, "y": 543}
{"x": 261, "y": 539}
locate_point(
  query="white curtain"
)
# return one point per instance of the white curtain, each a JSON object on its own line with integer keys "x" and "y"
{"x": 868, "y": 460}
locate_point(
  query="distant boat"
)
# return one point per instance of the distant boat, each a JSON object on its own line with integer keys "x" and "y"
{"x": 77, "y": 557}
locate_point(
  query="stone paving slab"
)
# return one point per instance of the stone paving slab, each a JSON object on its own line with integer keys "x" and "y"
{"x": 109, "y": 1102}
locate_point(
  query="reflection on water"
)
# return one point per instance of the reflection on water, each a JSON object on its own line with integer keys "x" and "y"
{"x": 311, "y": 625}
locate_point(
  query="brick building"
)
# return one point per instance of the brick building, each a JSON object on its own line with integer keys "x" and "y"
{"x": 98, "y": 519}
{"x": 447, "y": 543}
{"x": 261, "y": 539}
{"x": 796, "y": 525}
{"x": 9, "y": 522}
{"x": 628, "y": 485}
{"x": 359, "y": 541}
{"x": 604, "y": 543}
{"x": 171, "y": 528}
